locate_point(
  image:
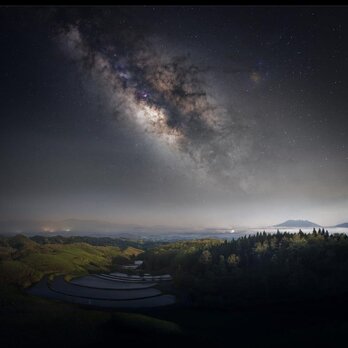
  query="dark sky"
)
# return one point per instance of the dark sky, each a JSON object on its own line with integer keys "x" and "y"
{"x": 181, "y": 116}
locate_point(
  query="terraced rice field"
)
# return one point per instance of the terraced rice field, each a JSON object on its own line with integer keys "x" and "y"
{"x": 107, "y": 291}
{"x": 94, "y": 281}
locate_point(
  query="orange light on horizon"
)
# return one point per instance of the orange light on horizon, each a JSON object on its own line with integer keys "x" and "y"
{"x": 48, "y": 229}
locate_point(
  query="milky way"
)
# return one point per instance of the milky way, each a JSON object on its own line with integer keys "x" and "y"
{"x": 166, "y": 96}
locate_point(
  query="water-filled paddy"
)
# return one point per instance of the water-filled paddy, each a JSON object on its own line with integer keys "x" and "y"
{"x": 103, "y": 292}
{"x": 98, "y": 282}
{"x": 60, "y": 285}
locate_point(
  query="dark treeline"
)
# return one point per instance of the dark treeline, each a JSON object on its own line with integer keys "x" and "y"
{"x": 259, "y": 267}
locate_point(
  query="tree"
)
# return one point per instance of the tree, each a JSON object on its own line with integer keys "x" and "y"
{"x": 222, "y": 264}
{"x": 233, "y": 260}
{"x": 261, "y": 248}
{"x": 205, "y": 257}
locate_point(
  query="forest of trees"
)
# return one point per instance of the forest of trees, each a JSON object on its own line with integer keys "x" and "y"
{"x": 259, "y": 267}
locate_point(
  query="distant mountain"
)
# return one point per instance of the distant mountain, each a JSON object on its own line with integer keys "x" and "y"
{"x": 297, "y": 223}
{"x": 345, "y": 224}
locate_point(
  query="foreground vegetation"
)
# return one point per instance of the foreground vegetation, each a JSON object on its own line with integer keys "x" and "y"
{"x": 286, "y": 289}
{"x": 256, "y": 268}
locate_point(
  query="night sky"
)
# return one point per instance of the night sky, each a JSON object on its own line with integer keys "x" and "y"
{"x": 177, "y": 116}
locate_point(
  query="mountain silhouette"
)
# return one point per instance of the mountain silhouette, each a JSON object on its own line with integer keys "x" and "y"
{"x": 297, "y": 223}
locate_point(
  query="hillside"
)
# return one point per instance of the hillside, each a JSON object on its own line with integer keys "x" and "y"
{"x": 28, "y": 320}
{"x": 24, "y": 261}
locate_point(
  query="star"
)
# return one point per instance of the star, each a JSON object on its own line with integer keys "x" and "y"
{"x": 255, "y": 77}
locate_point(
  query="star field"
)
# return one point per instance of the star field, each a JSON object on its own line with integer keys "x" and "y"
{"x": 190, "y": 116}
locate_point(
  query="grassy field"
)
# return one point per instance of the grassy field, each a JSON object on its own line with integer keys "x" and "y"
{"x": 23, "y": 261}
